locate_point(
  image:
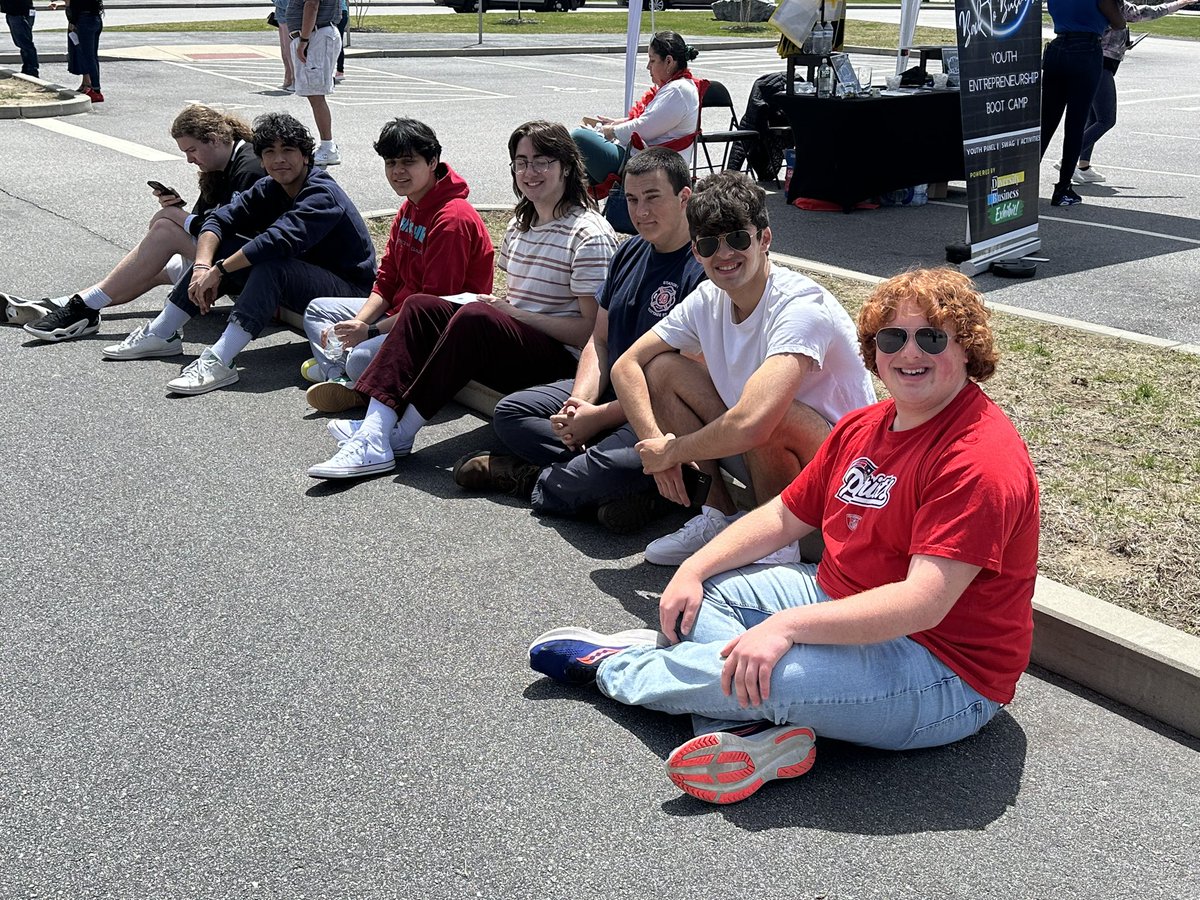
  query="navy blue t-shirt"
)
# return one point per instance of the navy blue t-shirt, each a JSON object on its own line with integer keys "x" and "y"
{"x": 642, "y": 286}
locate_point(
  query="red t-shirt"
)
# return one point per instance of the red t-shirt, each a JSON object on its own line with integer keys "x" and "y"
{"x": 962, "y": 487}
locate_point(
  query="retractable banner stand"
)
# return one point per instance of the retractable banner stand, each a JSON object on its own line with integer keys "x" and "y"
{"x": 1000, "y": 68}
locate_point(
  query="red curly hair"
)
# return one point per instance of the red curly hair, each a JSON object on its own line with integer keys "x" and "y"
{"x": 948, "y": 299}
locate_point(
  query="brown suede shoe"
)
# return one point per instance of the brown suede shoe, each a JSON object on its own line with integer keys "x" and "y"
{"x": 486, "y": 471}
{"x": 333, "y": 397}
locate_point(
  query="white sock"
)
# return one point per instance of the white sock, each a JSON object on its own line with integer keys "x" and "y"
{"x": 410, "y": 423}
{"x": 94, "y": 298}
{"x": 325, "y": 145}
{"x": 378, "y": 424}
{"x": 233, "y": 340}
{"x": 169, "y": 321}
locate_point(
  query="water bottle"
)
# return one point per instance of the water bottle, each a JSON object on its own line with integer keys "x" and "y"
{"x": 828, "y": 40}
{"x": 825, "y": 79}
{"x": 810, "y": 44}
{"x": 333, "y": 348}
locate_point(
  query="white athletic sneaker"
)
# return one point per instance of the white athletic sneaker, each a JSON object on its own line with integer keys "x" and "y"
{"x": 143, "y": 345}
{"x": 310, "y": 371}
{"x": 355, "y": 459}
{"x": 19, "y": 311}
{"x": 785, "y": 555}
{"x": 343, "y": 430}
{"x": 1087, "y": 176}
{"x": 207, "y": 373}
{"x": 330, "y": 157}
{"x": 672, "y": 549}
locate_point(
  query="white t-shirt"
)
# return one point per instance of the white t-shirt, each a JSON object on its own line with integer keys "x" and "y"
{"x": 795, "y": 315}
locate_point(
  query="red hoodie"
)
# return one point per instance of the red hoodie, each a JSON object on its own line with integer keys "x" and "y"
{"x": 438, "y": 246}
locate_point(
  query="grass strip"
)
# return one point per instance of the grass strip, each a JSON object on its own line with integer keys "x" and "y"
{"x": 1113, "y": 428}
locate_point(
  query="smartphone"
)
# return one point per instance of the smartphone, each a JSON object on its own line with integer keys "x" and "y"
{"x": 696, "y": 483}
{"x": 163, "y": 189}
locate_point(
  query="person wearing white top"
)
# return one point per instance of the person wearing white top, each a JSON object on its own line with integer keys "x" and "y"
{"x": 781, "y": 366}
{"x": 666, "y": 115}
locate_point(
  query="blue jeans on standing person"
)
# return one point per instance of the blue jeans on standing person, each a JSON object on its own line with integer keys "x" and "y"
{"x": 570, "y": 483}
{"x": 21, "y": 29}
{"x": 1071, "y": 70}
{"x": 1103, "y": 114}
{"x": 87, "y": 53}
{"x": 893, "y": 695}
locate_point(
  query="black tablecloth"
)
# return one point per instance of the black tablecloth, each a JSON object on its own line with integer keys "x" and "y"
{"x": 848, "y": 150}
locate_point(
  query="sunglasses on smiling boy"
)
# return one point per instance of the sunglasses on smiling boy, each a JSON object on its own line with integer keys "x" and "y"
{"x": 735, "y": 240}
{"x": 931, "y": 340}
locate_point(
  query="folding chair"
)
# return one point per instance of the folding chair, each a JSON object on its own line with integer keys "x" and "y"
{"x": 717, "y": 97}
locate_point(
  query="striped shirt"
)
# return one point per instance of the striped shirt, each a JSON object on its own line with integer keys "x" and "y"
{"x": 551, "y": 265}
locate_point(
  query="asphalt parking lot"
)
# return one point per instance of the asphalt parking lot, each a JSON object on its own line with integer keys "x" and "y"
{"x": 222, "y": 679}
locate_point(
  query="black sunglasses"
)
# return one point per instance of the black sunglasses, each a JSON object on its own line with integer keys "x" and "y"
{"x": 737, "y": 240}
{"x": 932, "y": 340}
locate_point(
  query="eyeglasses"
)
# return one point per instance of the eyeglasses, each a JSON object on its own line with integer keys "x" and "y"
{"x": 539, "y": 164}
{"x": 735, "y": 240}
{"x": 892, "y": 340}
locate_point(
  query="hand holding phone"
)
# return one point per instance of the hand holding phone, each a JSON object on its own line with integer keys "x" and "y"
{"x": 697, "y": 484}
{"x": 162, "y": 190}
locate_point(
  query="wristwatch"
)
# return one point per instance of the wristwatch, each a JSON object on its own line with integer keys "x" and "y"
{"x": 372, "y": 331}
{"x": 219, "y": 265}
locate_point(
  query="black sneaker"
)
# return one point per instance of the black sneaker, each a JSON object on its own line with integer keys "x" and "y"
{"x": 1064, "y": 197}
{"x": 67, "y": 322}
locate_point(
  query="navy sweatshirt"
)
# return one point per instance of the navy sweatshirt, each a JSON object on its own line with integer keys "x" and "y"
{"x": 320, "y": 226}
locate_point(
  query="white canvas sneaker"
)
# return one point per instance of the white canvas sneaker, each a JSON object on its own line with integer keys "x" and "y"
{"x": 672, "y": 549}
{"x": 1087, "y": 176}
{"x": 343, "y": 430}
{"x": 355, "y": 459}
{"x": 143, "y": 345}
{"x": 207, "y": 373}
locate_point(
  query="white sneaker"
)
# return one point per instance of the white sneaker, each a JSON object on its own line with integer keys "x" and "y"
{"x": 672, "y": 549}
{"x": 207, "y": 373}
{"x": 1087, "y": 176}
{"x": 310, "y": 370}
{"x": 330, "y": 157}
{"x": 19, "y": 311}
{"x": 355, "y": 459}
{"x": 343, "y": 430}
{"x": 143, "y": 345}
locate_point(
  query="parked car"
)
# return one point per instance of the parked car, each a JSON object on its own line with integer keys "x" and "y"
{"x": 674, "y": 4}
{"x": 469, "y": 6}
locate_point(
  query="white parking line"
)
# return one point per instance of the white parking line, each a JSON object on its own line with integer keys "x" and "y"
{"x": 1178, "y": 137}
{"x": 1153, "y": 234}
{"x": 1161, "y": 99}
{"x": 129, "y": 148}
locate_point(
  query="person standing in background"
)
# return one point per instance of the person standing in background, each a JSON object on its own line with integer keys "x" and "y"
{"x": 342, "y": 25}
{"x": 1103, "y": 114}
{"x": 312, "y": 26}
{"x": 85, "y": 20}
{"x": 285, "y": 45}
{"x": 19, "y": 15}
{"x": 1071, "y": 70}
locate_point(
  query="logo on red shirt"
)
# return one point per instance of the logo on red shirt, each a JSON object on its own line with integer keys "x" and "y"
{"x": 864, "y": 485}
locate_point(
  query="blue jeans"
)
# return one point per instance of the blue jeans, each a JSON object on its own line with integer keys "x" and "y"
{"x": 21, "y": 29}
{"x": 324, "y": 312}
{"x": 601, "y": 158}
{"x": 1071, "y": 70}
{"x": 1103, "y": 114}
{"x": 84, "y": 59}
{"x": 571, "y": 482}
{"x": 895, "y": 695}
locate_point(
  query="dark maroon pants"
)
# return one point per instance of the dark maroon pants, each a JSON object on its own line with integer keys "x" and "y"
{"x": 435, "y": 347}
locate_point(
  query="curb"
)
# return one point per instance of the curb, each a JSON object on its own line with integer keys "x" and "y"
{"x": 68, "y": 103}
